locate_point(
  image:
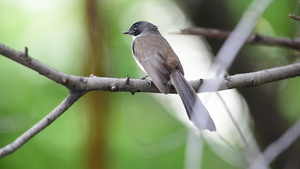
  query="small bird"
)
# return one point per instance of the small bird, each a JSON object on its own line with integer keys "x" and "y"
{"x": 157, "y": 59}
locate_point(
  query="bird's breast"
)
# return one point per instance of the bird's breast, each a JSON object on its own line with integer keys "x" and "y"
{"x": 135, "y": 58}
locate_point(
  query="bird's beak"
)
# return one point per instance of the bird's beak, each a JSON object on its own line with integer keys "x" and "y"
{"x": 127, "y": 32}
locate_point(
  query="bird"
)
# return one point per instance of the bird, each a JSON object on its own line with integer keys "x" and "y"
{"x": 156, "y": 58}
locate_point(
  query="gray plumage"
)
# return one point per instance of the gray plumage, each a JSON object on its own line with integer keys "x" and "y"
{"x": 156, "y": 57}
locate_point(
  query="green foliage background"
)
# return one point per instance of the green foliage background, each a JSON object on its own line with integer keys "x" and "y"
{"x": 55, "y": 33}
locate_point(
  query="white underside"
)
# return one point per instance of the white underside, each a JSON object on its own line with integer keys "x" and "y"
{"x": 134, "y": 57}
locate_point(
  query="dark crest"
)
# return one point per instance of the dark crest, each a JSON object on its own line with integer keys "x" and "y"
{"x": 142, "y": 27}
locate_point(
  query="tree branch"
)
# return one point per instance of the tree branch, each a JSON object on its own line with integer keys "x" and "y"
{"x": 46, "y": 121}
{"x": 253, "y": 39}
{"x": 277, "y": 147}
{"x": 254, "y": 78}
{"x": 294, "y": 17}
{"x": 79, "y": 85}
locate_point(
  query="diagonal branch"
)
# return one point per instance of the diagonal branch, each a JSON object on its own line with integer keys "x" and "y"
{"x": 233, "y": 44}
{"x": 24, "y": 59}
{"x": 294, "y": 17}
{"x": 46, "y": 121}
{"x": 277, "y": 147}
{"x": 253, "y": 39}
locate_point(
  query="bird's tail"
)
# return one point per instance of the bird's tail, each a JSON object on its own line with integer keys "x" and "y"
{"x": 196, "y": 111}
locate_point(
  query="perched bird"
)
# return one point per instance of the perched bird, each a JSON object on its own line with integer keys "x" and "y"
{"x": 155, "y": 57}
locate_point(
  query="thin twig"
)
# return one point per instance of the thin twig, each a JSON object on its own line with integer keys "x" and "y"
{"x": 253, "y": 39}
{"x": 277, "y": 147}
{"x": 294, "y": 17}
{"x": 46, "y": 121}
{"x": 235, "y": 41}
{"x": 127, "y": 80}
{"x": 250, "y": 152}
{"x": 235, "y": 124}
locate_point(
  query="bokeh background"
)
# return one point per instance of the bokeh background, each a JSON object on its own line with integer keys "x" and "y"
{"x": 118, "y": 130}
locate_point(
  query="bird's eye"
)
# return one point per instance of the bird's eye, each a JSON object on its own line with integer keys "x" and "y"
{"x": 134, "y": 28}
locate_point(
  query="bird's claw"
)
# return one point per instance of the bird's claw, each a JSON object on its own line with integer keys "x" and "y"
{"x": 148, "y": 81}
{"x": 144, "y": 77}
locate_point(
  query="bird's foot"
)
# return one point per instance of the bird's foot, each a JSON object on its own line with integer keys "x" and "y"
{"x": 144, "y": 77}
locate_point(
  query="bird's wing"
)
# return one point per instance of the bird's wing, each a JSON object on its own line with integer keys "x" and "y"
{"x": 152, "y": 56}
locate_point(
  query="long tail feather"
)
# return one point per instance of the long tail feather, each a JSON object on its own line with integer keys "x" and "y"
{"x": 196, "y": 111}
